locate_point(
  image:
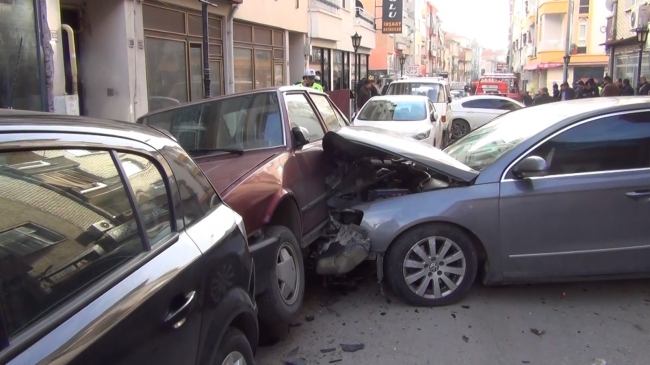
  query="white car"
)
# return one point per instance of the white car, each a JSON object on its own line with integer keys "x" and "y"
{"x": 437, "y": 89}
{"x": 410, "y": 115}
{"x": 472, "y": 112}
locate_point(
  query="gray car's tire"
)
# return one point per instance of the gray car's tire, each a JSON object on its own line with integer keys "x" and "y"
{"x": 459, "y": 128}
{"x": 407, "y": 268}
{"x": 234, "y": 346}
{"x": 275, "y": 305}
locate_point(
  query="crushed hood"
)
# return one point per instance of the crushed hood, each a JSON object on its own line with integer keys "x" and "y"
{"x": 406, "y": 128}
{"x": 359, "y": 142}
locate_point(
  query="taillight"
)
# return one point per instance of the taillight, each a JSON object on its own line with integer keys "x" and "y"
{"x": 443, "y": 118}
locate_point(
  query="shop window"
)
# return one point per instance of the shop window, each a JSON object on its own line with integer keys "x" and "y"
{"x": 243, "y": 69}
{"x": 195, "y": 26}
{"x": 584, "y": 7}
{"x": 263, "y": 69}
{"x": 196, "y": 72}
{"x": 215, "y": 78}
{"x": 263, "y": 36}
{"x": 20, "y": 85}
{"x": 278, "y": 38}
{"x": 278, "y": 72}
{"x": 164, "y": 20}
{"x": 166, "y": 72}
{"x": 242, "y": 33}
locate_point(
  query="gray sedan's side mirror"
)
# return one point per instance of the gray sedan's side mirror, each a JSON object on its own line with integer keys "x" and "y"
{"x": 530, "y": 166}
{"x": 301, "y": 134}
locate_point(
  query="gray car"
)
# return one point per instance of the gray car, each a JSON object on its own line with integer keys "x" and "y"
{"x": 554, "y": 192}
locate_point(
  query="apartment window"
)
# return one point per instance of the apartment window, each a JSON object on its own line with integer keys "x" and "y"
{"x": 582, "y": 35}
{"x": 584, "y": 7}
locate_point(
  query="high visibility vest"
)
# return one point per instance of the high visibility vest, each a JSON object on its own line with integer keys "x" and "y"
{"x": 315, "y": 85}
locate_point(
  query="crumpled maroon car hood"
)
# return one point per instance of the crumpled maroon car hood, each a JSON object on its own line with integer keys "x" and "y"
{"x": 223, "y": 171}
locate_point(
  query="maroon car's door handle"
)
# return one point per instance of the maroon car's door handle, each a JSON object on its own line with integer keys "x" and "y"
{"x": 639, "y": 195}
{"x": 177, "y": 316}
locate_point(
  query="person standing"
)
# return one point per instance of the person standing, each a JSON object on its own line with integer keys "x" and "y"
{"x": 619, "y": 83}
{"x": 556, "y": 92}
{"x": 374, "y": 91}
{"x": 627, "y": 90}
{"x": 567, "y": 93}
{"x": 364, "y": 93}
{"x": 319, "y": 79}
{"x": 644, "y": 87}
{"x": 526, "y": 98}
{"x": 587, "y": 91}
{"x": 309, "y": 80}
{"x": 543, "y": 97}
{"x": 610, "y": 89}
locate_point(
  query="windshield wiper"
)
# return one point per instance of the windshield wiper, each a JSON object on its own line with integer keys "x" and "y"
{"x": 236, "y": 150}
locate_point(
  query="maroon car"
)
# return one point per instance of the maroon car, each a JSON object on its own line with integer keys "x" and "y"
{"x": 262, "y": 152}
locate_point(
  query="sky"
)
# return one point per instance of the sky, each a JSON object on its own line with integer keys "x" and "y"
{"x": 487, "y": 21}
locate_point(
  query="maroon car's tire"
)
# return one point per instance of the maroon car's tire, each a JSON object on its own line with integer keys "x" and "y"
{"x": 412, "y": 268}
{"x": 234, "y": 347}
{"x": 282, "y": 301}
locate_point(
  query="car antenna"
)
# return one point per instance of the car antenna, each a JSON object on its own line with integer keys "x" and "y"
{"x": 13, "y": 82}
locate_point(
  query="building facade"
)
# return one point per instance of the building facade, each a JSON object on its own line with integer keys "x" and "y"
{"x": 119, "y": 59}
{"x": 538, "y": 44}
{"x": 621, "y": 40}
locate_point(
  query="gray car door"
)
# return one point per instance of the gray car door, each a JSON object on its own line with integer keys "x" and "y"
{"x": 589, "y": 214}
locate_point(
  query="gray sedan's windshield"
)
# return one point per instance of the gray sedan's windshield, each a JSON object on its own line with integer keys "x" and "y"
{"x": 486, "y": 144}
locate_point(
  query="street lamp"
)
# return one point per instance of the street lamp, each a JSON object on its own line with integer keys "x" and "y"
{"x": 567, "y": 60}
{"x": 356, "y": 42}
{"x": 402, "y": 60}
{"x": 641, "y": 38}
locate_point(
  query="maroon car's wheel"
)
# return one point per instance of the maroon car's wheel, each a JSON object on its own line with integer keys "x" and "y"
{"x": 431, "y": 265}
{"x": 282, "y": 301}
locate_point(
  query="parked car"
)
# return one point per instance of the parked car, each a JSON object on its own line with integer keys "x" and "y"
{"x": 437, "y": 89}
{"x": 116, "y": 249}
{"x": 555, "y": 192}
{"x": 262, "y": 151}
{"x": 414, "y": 116}
{"x": 473, "y": 111}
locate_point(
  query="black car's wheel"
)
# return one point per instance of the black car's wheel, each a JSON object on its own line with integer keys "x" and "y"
{"x": 282, "y": 301}
{"x": 459, "y": 128}
{"x": 234, "y": 349}
{"x": 431, "y": 265}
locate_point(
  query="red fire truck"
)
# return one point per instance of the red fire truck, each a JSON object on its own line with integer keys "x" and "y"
{"x": 503, "y": 84}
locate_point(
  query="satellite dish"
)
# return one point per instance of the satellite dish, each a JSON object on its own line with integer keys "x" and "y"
{"x": 610, "y": 4}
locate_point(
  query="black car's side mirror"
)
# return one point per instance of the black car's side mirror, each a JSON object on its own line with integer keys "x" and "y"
{"x": 434, "y": 117}
{"x": 531, "y": 166}
{"x": 301, "y": 134}
{"x": 449, "y": 99}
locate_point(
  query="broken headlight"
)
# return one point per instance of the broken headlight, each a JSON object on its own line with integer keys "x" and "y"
{"x": 423, "y": 135}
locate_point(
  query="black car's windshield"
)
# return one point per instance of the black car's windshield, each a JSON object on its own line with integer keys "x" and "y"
{"x": 394, "y": 110}
{"x": 486, "y": 144}
{"x": 234, "y": 124}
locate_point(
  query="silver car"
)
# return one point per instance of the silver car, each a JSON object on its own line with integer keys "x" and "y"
{"x": 555, "y": 192}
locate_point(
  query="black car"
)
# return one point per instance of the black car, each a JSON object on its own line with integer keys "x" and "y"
{"x": 116, "y": 249}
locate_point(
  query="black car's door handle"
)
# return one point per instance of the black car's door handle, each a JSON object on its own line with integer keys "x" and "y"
{"x": 639, "y": 195}
{"x": 176, "y": 318}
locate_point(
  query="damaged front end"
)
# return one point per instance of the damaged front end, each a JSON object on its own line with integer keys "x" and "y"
{"x": 364, "y": 174}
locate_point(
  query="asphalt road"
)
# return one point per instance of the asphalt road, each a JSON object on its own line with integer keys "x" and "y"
{"x": 594, "y": 323}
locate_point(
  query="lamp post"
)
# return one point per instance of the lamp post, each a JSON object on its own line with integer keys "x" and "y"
{"x": 642, "y": 38}
{"x": 567, "y": 60}
{"x": 402, "y": 60}
{"x": 356, "y": 42}
{"x": 567, "y": 44}
{"x": 204, "y": 47}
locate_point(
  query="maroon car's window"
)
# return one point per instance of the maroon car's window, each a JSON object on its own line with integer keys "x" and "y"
{"x": 65, "y": 222}
{"x": 242, "y": 122}
{"x": 301, "y": 114}
{"x": 330, "y": 116}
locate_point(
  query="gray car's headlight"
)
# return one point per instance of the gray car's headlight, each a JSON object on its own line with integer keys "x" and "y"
{"x": 423, "y": 135}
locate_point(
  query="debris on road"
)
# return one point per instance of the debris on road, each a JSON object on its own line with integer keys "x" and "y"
{"x": 296, "y": 361}
{"x": 563, "y": 296}
{"x": 336, "y": 360}
{"x": 383, "y": 313}
{"x": 525, "y": 362}
{"x": 309, "y": 318}
{"x": 465, "y": 338}
{"x": 465, "y": 306}
{"x": 352, "y": 347}
{"x": 332, "y": 349}
{"x": 537, "y": 332}
{"x": 453, "y": 315}
{"x": 293, "y": 352}
{"x": 292, "y": 325}
{"x": 599, "y": 362}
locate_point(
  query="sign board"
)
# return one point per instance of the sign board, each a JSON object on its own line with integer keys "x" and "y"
{"x": 502, "y": 67}
{"x": 391, "y": 16}
{"x": 412, "y": 70}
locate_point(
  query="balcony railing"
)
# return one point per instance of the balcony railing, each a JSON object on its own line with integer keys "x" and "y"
{"x": 551, "y": 45}
{"x": 327, "y": 5}
{"x": 365, "y": 16}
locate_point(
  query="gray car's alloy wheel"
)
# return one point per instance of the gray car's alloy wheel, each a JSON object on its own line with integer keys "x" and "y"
{"x": 282, "y": 300}
{"x": 431, "y": 265}
{"x": 459, "y": 128}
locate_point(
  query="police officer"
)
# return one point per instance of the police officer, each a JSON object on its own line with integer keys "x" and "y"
{"x": 308, "y": 80}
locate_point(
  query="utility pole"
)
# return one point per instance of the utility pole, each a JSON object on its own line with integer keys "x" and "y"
{"x": 567, "y": 45}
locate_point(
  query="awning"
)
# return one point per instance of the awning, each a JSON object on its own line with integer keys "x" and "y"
{"x": 621, "y": 42}
{"x": 543, "y": 66}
